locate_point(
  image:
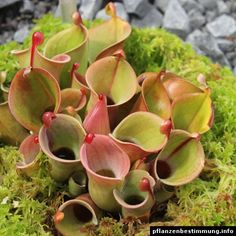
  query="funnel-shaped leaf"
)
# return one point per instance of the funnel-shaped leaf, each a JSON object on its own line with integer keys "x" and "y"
{"x": 181, "y": 160}
{"x": 30, "y": 150}
{"x": 140, "y": 134}
{"x": 79, "y": 82}
{"x": 163, "y": 193}
{"x": 176, "y": 86}
{"x": 106, "y": 165}
{"x": 117, "y": 78}
{"x": 77, "y": 183}
{"x": 74, "y": 98}
{"x": 54, "y": 66}
{"x": 32, "y": 93}
{"x": 154, "y": 96}
{"x": 61, "y": 142}
{"x": 74, "y": 214}
{"x": 97, "y": 120}
{"x": 109, "y": 36}
{"x": 193, "y": 112}
{"x": 134, "y": 201}
{"x": 11, "y": 132}
{"x": 73, "y": 42}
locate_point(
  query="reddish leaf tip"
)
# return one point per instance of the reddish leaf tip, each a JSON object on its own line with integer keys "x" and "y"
{"x": 166, "y": 127}
{"x": 75, "y": 67}
{"x": 101, "y": 97}
{"x": 77, "y": 19}
{"x": 83, "y": 91}
{"x": 37, "y": 38}
{"x": 59, "y": 216}
{"x": 119, "y": 54}
{"x": 144, "y": 185}
{"x": 197, "y": 136}
{"x": 89, "y": 138}
{"x": 48, "y": 117}
{"x": 110, "y": 9}
{"x": 36, "y": 139}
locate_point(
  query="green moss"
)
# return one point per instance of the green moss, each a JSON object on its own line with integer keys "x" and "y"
{"x": 209, "y": 200}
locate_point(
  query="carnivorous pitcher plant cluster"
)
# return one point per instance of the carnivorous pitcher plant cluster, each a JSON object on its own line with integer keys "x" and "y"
{"x": 121, "y": 142}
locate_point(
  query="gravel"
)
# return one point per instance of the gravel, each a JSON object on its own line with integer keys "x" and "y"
{"x": 208, "y": 25}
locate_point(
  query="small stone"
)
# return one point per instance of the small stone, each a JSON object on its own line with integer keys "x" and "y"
{"x": 196, "y": 19}
{"x": 234, "y": 70}
{"x": 120, "y": 11}
{"x": 208, "y": 4}
{"x": 21, "y": 34}
{"x": 28, "y": 7}
{"x": 189, "y": 5}
{"x": 222, "y": 26}
{"x": 231, "y": 55}
{"x": 222, "y": 7}
{"x": 161, "y": 4}
{"x": 210, "y": 16}
{"x": 152, "y": 19}
{"x": 205, "y": 42}
{"x": 139, "y": 8}
{"x": 6, "y": 3}
{"x": 176, "y": 20}
{"x": 88, "y": 8}
{"x": 102, "y": 15}
{"x": 225, "y": 45}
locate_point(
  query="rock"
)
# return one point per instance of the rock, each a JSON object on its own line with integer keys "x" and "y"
{"x": 161, "y": 4}
{"x": 225, "y": 45}
{"x": 120, "y": 11}
{"x": 222, "y": 7}
{"x": 231, "y": 55}
{"x": 88, "y": 8}
{"x": 210, "y": 16}
{"x": 222, "y": 26}
{"x": 102, "y": 15}
{"x": 6, "y": 3}
{"x": 208, "y": 4}
{"x": 205, "y": 42}
{"x": 152, "y": 19}
{"x": 234, "y": 70}
{"x": 189, "y": 5}
{"x": 21, "y": 34}
{"x": 139, "y": 8}
{"x": 196, "y": 19}
{"x": 175, "y": 19}
{"x": 28, "y": 7}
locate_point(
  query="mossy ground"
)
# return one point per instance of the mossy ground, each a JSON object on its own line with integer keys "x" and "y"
{"x": 28, "y": 204}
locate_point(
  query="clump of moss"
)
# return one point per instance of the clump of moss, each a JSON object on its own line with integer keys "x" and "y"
{"x": 27, "y": 204}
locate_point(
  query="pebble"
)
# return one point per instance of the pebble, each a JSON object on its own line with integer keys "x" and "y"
{"x": 176, "y": 19}
{"x": 209, "y": 25}
{"x": 6, "y": 3}
{"x": 161, "y": 4}
{"x": 139, "y": 8}
{"x": 208, "y": 4}
{"x": 196, "y": 19}
{"x": 152, "y": 19}
{"x": 21, "y": 34}
{"x": 222, "y": 26}
{"x": 205, "y": 42}
{"x": 222, "y": 7}
{"x": 88, "y": 8}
